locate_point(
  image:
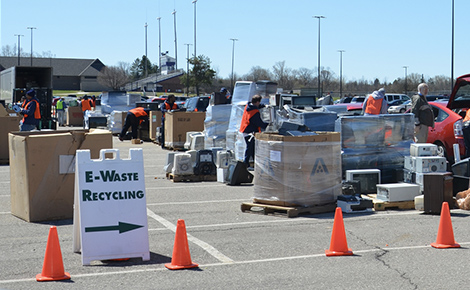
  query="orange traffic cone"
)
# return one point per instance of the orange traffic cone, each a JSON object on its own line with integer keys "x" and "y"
{"x": 338, "y": 245}
{"x": 445, "y": 233}
{"x": 181, "y": 257}
{"x": 53, "y": 267}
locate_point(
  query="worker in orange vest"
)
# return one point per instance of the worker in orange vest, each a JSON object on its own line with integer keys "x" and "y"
{"x": 250, "y": 124}
{"x": 31, "y": 112}
{"x": 133, "y": 119}
{"x": 375, "y": 103}
{"x": 168, "y": 105}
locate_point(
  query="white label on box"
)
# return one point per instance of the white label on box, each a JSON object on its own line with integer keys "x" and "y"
{"x": 110, "y": 210}
{"x": 275, "y": 155}
{"x": 66, "y": 164}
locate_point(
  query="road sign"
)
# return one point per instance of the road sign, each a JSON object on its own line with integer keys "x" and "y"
{"x": 110, "y": 210}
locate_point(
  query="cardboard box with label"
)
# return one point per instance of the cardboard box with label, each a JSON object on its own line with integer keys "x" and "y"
{"x": 297, "y": 170}
{"x": 9, "y": 123}
{"x": 155, "y": 119}
{"x": 41, "y": 170}
{"x": 178, "y": 123}
{"x": 74, "y": 116}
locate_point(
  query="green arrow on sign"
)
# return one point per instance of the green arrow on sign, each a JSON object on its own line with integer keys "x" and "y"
{"x": 121, "y": 227}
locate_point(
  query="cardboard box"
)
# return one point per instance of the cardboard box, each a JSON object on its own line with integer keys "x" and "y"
{"x": 297, "y": 170}
{"x": 155, "y": 120}
{"x": 8, "y": 124}
{"x": 74, "y": 116}
{"x": 41, "y": 170}
{"x": 178, "y": 123}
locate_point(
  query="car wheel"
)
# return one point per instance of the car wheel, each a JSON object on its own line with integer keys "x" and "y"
{"x": 402, "y": 111}
{"x": 441, "y": 151}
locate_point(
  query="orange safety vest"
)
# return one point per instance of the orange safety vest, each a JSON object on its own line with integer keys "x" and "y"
{"x": 246, "y": 119}
{"x": 167, "y": 106}
{"x": 138, "y": 112}
{"x": 86, "y": 105}
{"x": 37, "y": 112}
{"x": 373, "y": 106}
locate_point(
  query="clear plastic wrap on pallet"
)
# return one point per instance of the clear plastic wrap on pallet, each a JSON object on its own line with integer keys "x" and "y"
{"x": 119, "y": 102}
{"x": 115, "y": 121}
{"x": 216, "y": 125}
{"x": 297, "y": 171}
{"x": 362, "y": 132}
{"x": 240, "y": 147}
{"x": 90, "y": 114}
{"x": 315, "y": 120}
{"x": 236, "y": 114}
{"x": 379, "y": 142}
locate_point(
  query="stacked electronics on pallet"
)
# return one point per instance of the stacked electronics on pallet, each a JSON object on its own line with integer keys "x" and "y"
{"x": 429, "y": 171}
{"x": 205, "y": 162}
{"x": 357, "y": 183}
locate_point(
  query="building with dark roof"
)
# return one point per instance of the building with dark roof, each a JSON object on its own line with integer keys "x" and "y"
{"x": 68, "y": 73}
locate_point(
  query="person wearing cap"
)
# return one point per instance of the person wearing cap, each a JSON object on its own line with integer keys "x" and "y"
{"x": 424, "y": 116}
{"x": 133, "y": 119}
{"x": 375, "y": 103}
{"x": 31, "y": 112}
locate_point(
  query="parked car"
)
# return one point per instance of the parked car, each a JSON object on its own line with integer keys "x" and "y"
{"x": 393, "y": 97}
{"x": 198, "y": 104}
{"x": 447, "y": 130}
{"x": 354, "y": 108}
{"x": 358, "y": 99}
{"x": 399, "y": 107}
{"x": 431, "y": 98}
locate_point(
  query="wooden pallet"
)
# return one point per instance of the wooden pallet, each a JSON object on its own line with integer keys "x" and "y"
{"x": 261, "y": 208}
{"x": 190, "y": 178}
{"x": 384, "y": 205}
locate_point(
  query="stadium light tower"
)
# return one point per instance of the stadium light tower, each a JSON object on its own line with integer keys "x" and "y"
{"x": 319, "y": 18}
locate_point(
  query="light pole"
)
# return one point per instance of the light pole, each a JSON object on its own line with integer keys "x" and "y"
{"x": 187, "y": 68}
{"x": 406, "y": 79}
{"x": 145, "y": 49}
{"x": 319, "y": 18}
{"x": 19, "y": 46}
{"x": 233, "y": 57}
{"x": 176, "y": 45}
{"x": 194, "y": 2}
{"x": 31, "y": 43}
{"x": 452, "y": 53}
{"x": 341, "y": 73}
{"x": 159, "y": 46}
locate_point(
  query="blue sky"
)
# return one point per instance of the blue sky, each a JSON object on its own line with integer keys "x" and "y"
{"x": 379, "y": 37}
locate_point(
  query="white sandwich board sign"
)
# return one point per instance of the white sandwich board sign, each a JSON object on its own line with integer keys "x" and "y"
{"x": 110, "y": 209}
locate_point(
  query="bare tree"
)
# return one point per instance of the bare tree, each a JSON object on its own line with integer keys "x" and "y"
{"x": 304, "y": 76}
{"x": 113, "y": 77}
{"x": 257, "y": 73}
{"x": 283, "y": 75}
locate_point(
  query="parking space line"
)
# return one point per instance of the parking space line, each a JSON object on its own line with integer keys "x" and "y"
{"x": 223, "y": 263}
{"x": 205, "y": 246}
{"x": 184, "y": 187}
{"x": 195, "y": 202}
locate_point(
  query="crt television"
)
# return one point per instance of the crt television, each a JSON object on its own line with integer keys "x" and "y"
{"x": 369, "y": 179}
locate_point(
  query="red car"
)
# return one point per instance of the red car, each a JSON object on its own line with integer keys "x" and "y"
{"x": 447, "y": 130}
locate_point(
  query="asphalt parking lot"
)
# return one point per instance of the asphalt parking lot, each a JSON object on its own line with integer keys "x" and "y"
{"x": 238, "y": 250}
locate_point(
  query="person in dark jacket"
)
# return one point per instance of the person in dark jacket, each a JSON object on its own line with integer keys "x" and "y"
{"x": 31, "y": 111}
{"x": 424, "y": 116}
{"x": 133, "y": 119}
{"x": 251, "y": 123}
